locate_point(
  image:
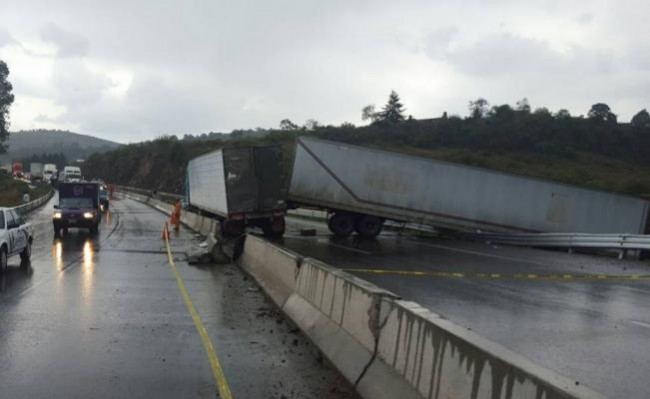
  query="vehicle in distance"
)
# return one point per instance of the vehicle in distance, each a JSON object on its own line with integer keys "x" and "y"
{"x": 103, "y": 197}
{"x": 49, "y": 172}
{"x": 362, "y": 187}
{"x": 36, "y": 170}
{"x": 78, "y": 207}
{"x": 242, "y": 187}
{"x": 71, "y": 174}
{"x": 15, "y": 237}
{"x": 17, "y": 169}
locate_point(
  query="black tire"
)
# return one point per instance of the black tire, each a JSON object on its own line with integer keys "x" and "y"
{"x": 3, "y": 260}
{"x": 26, "y": 254}
{"x": 274, "y": 228}
{"x": 341, "y": 224}
{"x": 369, "y": 226}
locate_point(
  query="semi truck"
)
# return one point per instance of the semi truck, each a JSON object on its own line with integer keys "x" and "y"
{"x": 242, "y": 187}
{"x": 49, "y": 172}
{"x": 72, "y": 174}
{"x": 17, "y": 169}
{"x": 36, "y": 170}
{"x": 78, "y": 207}
{"x": 360, "y": 188}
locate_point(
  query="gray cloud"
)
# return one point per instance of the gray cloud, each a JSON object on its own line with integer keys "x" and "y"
{"x": 5, "y": 38}
{"x": 501, "y": 54}
{"x": 68, "y": 44}
{"x": 215, "y": 65}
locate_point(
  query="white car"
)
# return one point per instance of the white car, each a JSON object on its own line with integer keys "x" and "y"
{"x": 15, "y": 237}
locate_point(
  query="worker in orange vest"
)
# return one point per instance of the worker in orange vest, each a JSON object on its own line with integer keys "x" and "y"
{"x": 176, "y": 215}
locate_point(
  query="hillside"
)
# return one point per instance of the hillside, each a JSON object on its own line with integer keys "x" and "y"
{"x": 24, "y": 144}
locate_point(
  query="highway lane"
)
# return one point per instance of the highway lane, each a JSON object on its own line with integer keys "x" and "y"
{"x": 103, "y": 317}
{"x": 594, "y": 331}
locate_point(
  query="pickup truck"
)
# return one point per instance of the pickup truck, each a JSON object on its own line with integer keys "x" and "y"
{"x": 15, "y": 237}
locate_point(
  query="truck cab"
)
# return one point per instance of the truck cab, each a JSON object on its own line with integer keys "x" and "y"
{"x": 72, "y": 174}
{"x": 16, "y": 237}
{"x": 49, "y": 172}
{"x": 78, "y": 207}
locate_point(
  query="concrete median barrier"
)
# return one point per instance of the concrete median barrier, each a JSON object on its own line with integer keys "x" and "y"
{"x": 160, "y": 205}
{"x": 390, "y": 348}
{"x": 387, "y": 347}
{"x": 274, "y": 268}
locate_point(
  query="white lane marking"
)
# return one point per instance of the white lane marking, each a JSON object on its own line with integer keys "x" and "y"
{"x": 639, "y": 323}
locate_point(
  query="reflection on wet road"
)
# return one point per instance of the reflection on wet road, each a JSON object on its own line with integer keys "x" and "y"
{"x": 592, "y": 330}
{"x": 102, "y": 316}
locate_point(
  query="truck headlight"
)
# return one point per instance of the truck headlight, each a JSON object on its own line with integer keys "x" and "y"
{"x": 57, "y": 215}
{"x": 88, "y": 215}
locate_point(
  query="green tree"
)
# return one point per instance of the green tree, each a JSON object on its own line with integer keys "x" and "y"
{"x": 478, "y": 108}
{"x": 286, "y": 124}
{"x": 602, "y": 113}
{"x": 542, "y": 111}
{"x": 563, "y": 114}
{"x": 368, "y": 113}
{"x": 641, "y": 119}
{"x": 393, "y": 111}
{"x": 312, "y": 124}
{"x": 6, "y": 99}
{"x": 523, "y": 105}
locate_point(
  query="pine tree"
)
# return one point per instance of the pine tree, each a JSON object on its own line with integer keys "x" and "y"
{"x": 393, "y": 111}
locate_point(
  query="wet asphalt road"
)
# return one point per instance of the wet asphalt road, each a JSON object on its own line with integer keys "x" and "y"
{"x": 595, "y": 332}
{"x": 103, "y": 317}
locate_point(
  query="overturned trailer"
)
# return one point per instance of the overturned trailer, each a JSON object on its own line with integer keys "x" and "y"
{"x": 242, "y": 187}
{"x": 362, "y": 187}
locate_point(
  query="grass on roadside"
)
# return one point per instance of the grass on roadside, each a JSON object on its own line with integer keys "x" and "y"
{"x": 11, "y": 191}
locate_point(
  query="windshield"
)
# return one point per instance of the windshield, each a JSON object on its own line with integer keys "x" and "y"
{"x": 75, "y": 203}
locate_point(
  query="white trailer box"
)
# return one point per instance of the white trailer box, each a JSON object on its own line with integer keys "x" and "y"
{"x": 36, "y": 170}
{"x": 241, "y": 186}
{"x": 354, "y": 181}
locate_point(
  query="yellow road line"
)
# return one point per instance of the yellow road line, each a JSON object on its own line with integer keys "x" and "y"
{"x": 217, "y": 371}
{"x": 515, "y": 276}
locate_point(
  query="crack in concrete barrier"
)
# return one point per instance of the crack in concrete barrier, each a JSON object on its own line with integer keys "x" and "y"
{"x": 375, "y": 326}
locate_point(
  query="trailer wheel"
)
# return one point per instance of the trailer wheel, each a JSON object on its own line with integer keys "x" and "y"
{"x": 341, "y": 224}
{"x": 369, "y": 226}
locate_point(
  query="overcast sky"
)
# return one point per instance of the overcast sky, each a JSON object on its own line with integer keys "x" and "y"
{"x": 133, "y": 70}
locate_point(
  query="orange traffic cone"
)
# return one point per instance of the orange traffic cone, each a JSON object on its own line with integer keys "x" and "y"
{"x": 165, "y": 232}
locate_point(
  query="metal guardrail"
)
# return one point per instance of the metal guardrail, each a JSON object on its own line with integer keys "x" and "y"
{"x": 30, "y": 206}
{"x": 163, "y": 196}
{"x": 567, "y": 240}
{"x": 547, "y": 240}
